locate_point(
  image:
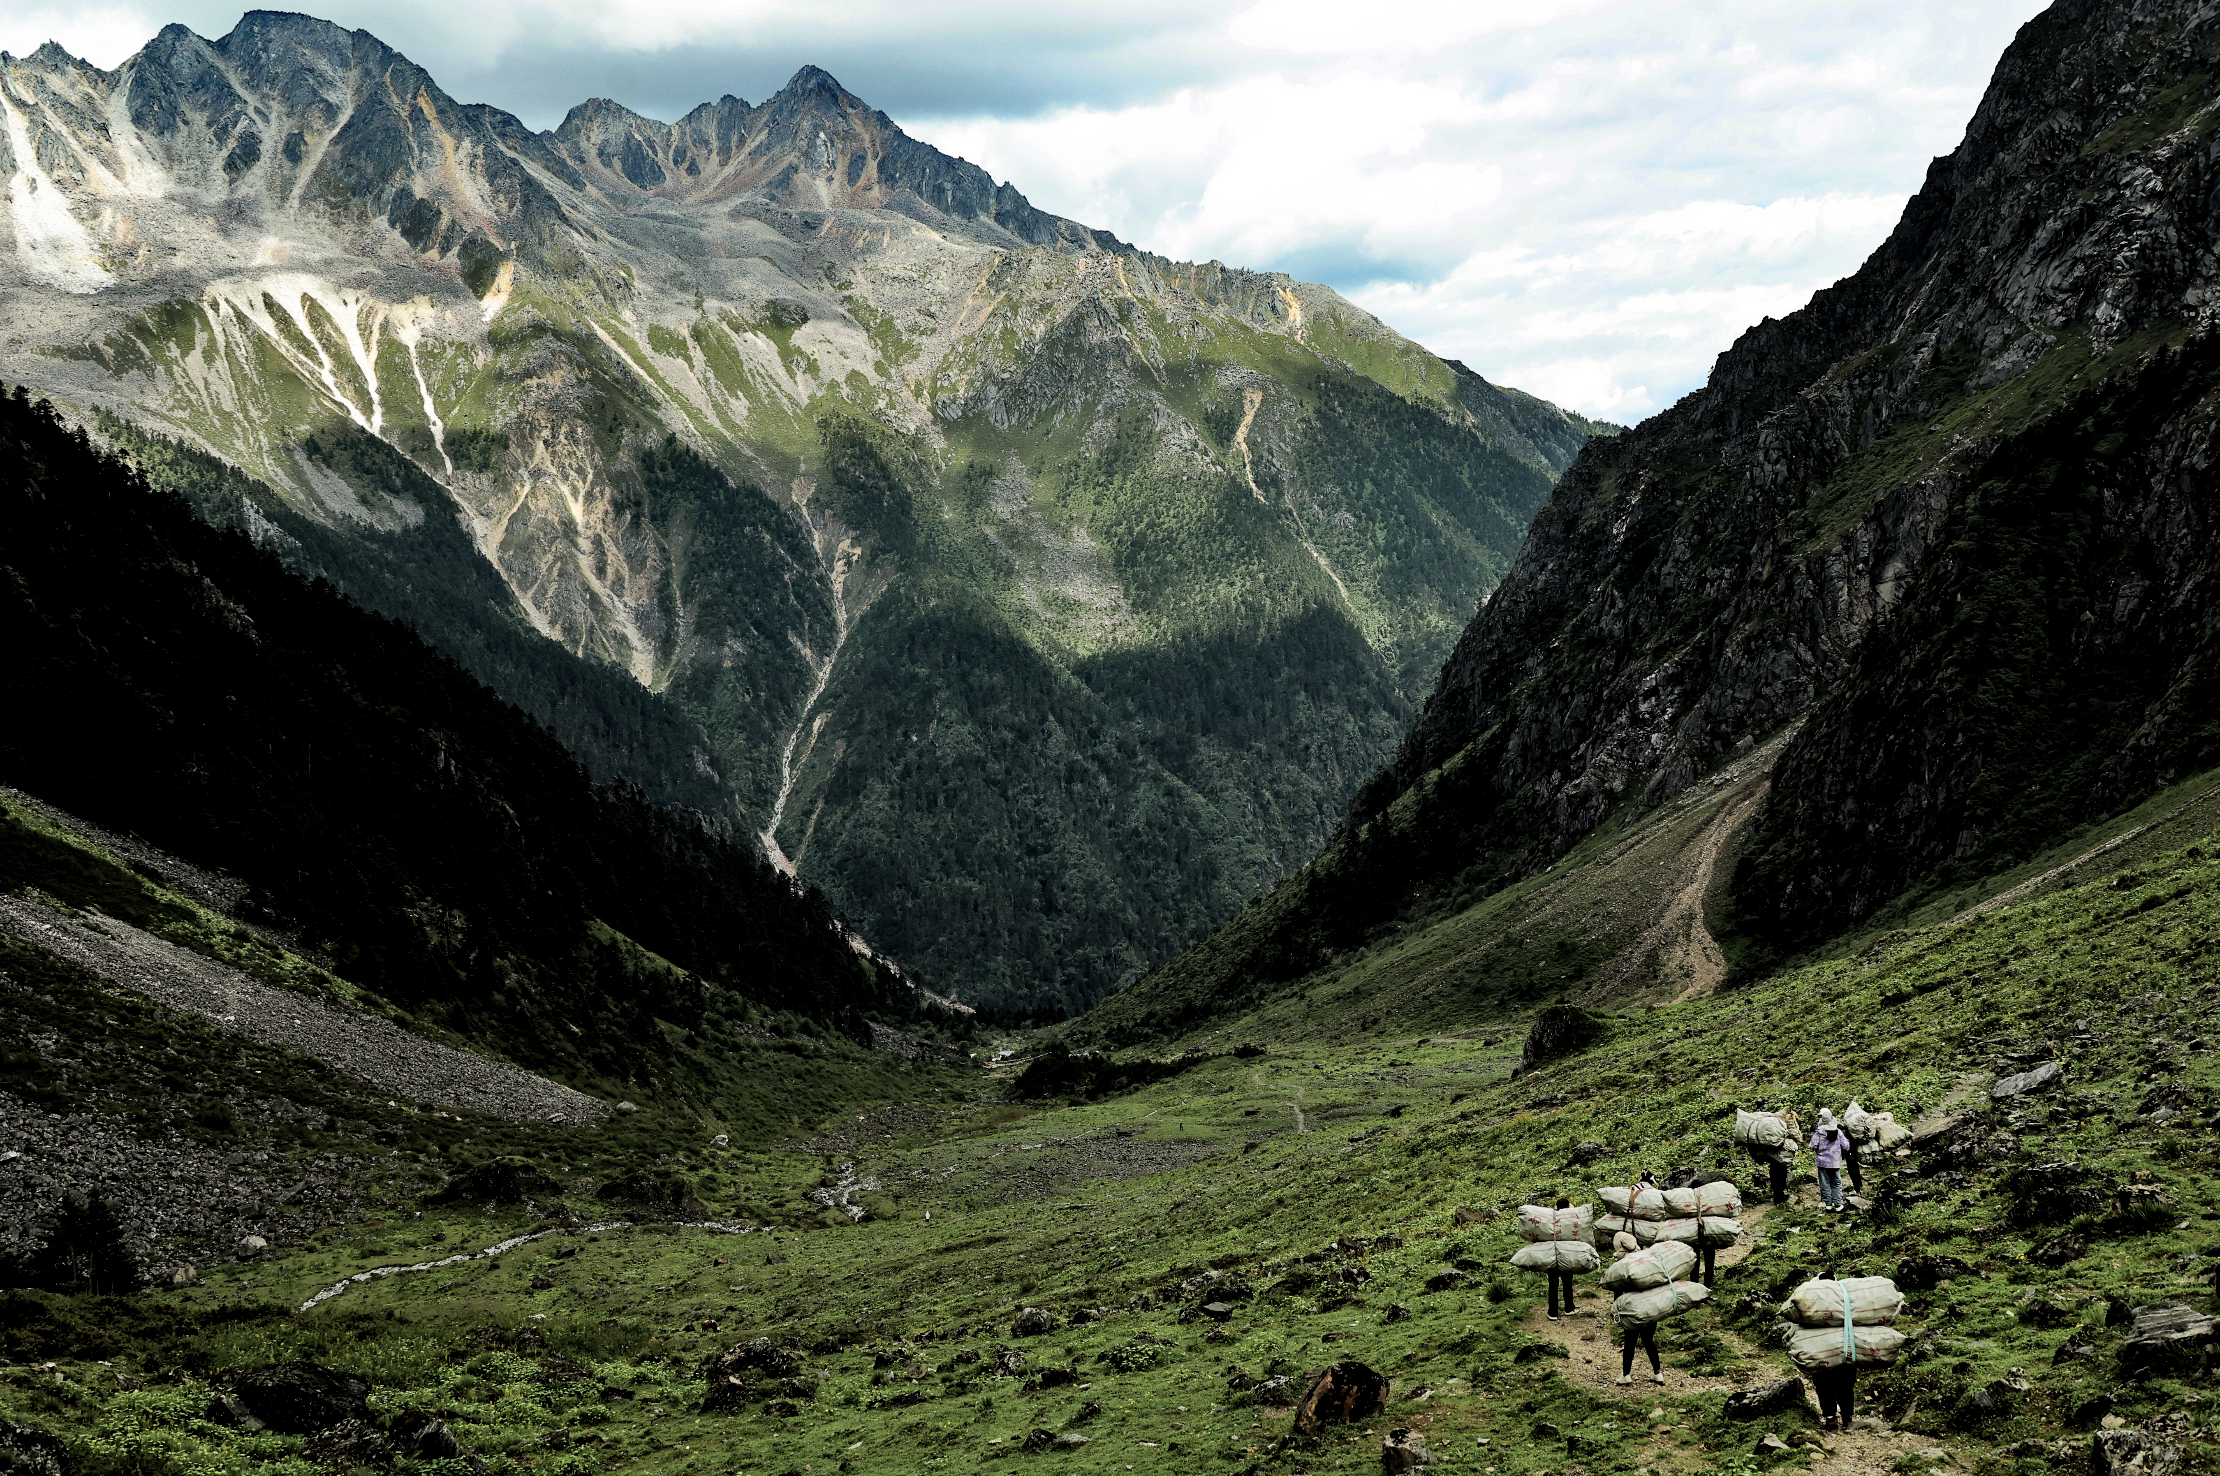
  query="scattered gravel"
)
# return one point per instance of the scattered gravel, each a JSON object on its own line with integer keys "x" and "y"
{"x": 363, "y": 1045}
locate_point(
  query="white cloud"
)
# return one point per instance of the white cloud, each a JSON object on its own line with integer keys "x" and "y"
{"x": 101, "y": 34}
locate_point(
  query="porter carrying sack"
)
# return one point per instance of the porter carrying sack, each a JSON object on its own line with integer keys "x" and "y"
{"x": 1717, "y": 1230}
{"x": 1640, "y": 1309}
{"x": 1722, "y": 1198}
{"x": 1556, "y": 1255}
{"x": 1661, "y": 1264}
{"x": 1760, "y": 1129}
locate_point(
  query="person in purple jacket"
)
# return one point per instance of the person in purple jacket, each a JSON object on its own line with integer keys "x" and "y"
{"x": 1830, "y": 1142}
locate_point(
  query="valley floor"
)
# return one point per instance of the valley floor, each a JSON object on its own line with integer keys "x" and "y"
{"x": 1254, "y": 1218}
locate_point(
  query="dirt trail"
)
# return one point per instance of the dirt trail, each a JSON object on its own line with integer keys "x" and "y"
{"x": 1871, "y": 1448}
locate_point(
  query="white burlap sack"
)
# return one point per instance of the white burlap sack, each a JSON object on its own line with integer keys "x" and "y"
{"x": 1665, "y": 1262}
{"x": 1857, "y": 1122}
{"x": 1718, "y": 1230}
{"x": 1644, "y": 1231}
{"x": 1759, "y": 1129}
{"x": 1638, "y": 1309}
{"x": 1684, "y": 1231}
{"x": 1827, "y": 1347}
{"x": 1887, "y": 1131}
{"x": 1682, "y": 1203}
{"x": 1719, "y": 1199}
{"x": 1557, "y": 1255}
{"x": 1538, "y": 1222}
{"x": 1874, "y": 1301}
{"x": 1639, "y": 1204}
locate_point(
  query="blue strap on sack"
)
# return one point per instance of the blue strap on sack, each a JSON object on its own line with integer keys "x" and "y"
{"x": 1849, "y": 1333}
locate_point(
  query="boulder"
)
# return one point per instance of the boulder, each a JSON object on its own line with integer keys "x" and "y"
{"x": 2133, "y": 1453}
{"x": 1449, "y": 1278}
{"x": 302, "y": 1398}
{"x": 2034, "y": 1079}
{"x": 1561, "y": 1030}
{"x": 253, "y": 1245}
{"x": 1007, "y": 1363}
{"x": 1072, "y": 1440}
{"x": 425, "y": 1437}
{"x": 1465, "y": 1214}
{"x": 1585, "y": 1153}
{"x": 504, "y": 1180}
{"x": 1771, "y": 1445}
{"x": 1033, "y": 1322}
{"x": 1037, "y": 1440}
{"x": 1215, "y": 1311}
{"x": 1925, "y": 1273}
{"x": 1404, "y": 1450}
{"x": 349, "y": 1444}
{"x": 2169, "y": 1334}
{"x": 26, "y": 1451}
{"x": 736, "y": 1375}
{"x": 666, "y": 1195}
{"x": 1530, "y": 1352}
{"x": 2051, "y": 1193}
{"x": 1346, "y": 1391}
{"x": 2059, "y": 1250}
{"x": 1766, "y": 1401}
{"x": 227, "y": 1409}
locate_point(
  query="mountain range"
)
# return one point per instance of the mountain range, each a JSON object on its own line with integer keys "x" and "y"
{"x": 1040, "y": 599}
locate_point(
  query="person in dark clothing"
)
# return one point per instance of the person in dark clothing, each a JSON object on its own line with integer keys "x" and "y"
{"x": 1560, "y": 1279}
{"x": 1707, "y": 1262}
{"x": 1645, "y": 1338}
{"x": 1855, "y": 1168}
{"x": 1776, "y": 1172}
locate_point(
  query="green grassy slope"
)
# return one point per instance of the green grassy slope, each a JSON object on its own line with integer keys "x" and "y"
{"x": 1326, "y": 1177}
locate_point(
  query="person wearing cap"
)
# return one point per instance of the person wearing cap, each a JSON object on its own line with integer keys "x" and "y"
{"x": 1829, "y": 1142}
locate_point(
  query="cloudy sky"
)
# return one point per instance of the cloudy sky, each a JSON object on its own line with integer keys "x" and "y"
{"x": 1588, "y": 199}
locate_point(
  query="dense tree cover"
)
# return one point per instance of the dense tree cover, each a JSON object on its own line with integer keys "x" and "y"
{"x": 436, "y": 844}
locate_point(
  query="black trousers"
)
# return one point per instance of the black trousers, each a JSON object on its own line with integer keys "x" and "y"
{"x": 1837, "y": 1389}
{"x": 1857, "y": 1170}
{"x": 1777, "y": 1173}
{"x": 1643, "y": 1337}
{"x": 1707, "y": 1264}
{"x": 1560, "y": 1279}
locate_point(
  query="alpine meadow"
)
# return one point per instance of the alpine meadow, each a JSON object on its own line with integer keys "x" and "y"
{"x": 708, "y": 797}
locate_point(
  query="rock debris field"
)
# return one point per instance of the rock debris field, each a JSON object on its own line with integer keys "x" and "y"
{"x": 363, "y": 1045}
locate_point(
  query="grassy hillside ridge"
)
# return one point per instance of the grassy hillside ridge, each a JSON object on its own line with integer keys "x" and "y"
{"x": 1323, "y": 1179}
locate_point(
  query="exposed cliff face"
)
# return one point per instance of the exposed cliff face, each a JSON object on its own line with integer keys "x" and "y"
{"x": 1953, "y": 510}
{"x": 654, "y": 368}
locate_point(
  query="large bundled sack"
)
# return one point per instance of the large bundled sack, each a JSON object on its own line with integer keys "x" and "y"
{"x": 1538, "y": 1222}
{"x": 1761, "y": 1130}
{"x": 1556, "y": 1255}
{"x": 1661, "y": 1264}
{"x": 1686, "y": 1232}
{"x": 1717, "y": 1230}
{"x": 1639, "y": 1309}
{"x": 1636, "y": 1202}
{"x": 1643, "y": 1231}
{"x": 1857, "y": 1122}
{"x": 1721, "y": 1198}
{"x": 1865, "y": 1301}
{"x": 1832, "y": 1347}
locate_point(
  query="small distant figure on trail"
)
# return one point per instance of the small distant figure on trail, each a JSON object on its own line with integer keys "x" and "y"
{"x": 1830, "y": 1143}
